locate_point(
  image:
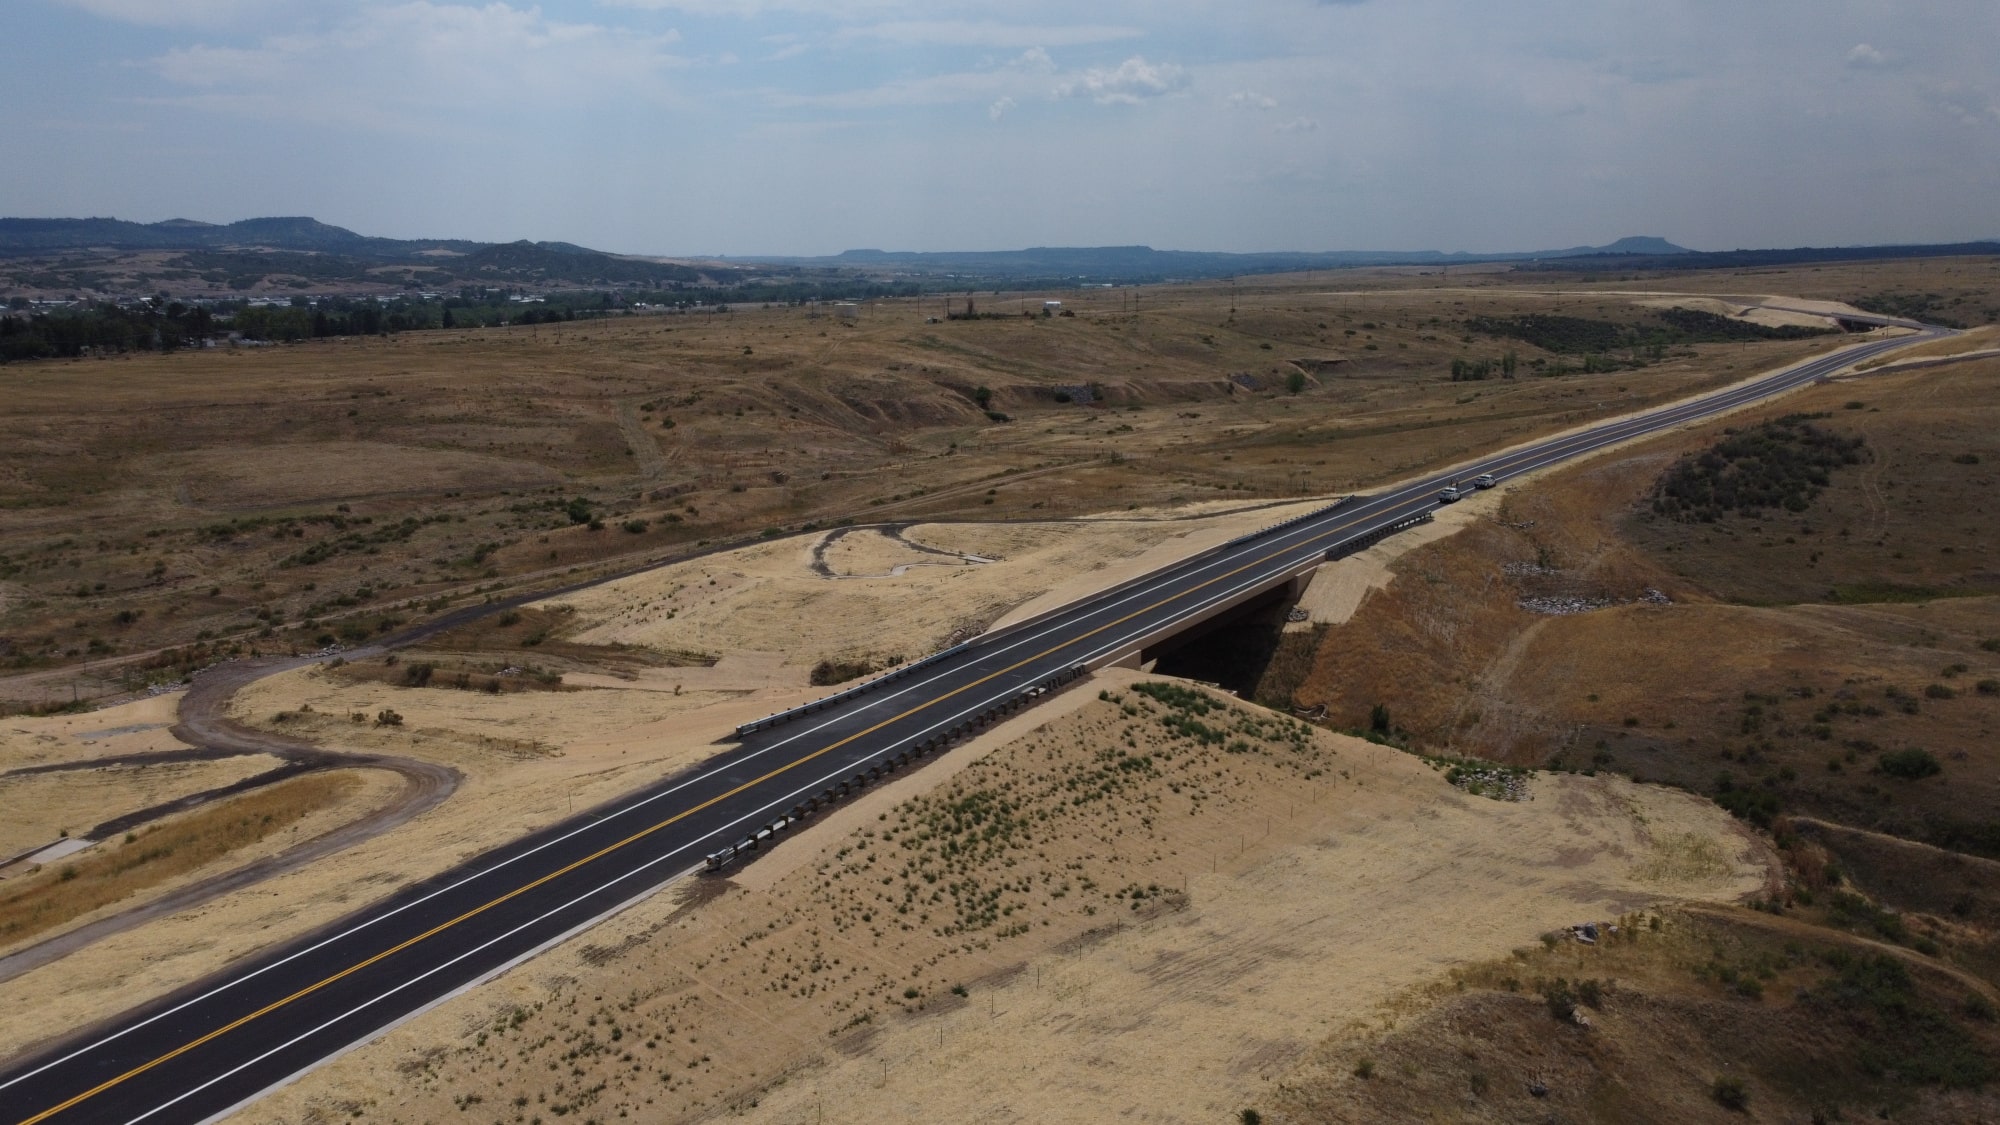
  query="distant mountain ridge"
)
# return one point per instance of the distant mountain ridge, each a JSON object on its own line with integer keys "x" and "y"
{"x": 20, "y": 236}
{"x": 33, "y": 236}
{"x": 298, "y": 246}
{"x": 1143, "y": 263}
{"x": 343, "y": 253}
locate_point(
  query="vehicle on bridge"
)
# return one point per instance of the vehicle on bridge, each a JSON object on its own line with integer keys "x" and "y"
{"x": 1484, "y": 480}
{"x": 1450, "y": 493}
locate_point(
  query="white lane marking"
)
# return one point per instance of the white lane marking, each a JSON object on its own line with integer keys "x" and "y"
{"x": 1556, "y": 450}
{"x": 757, "y": 814}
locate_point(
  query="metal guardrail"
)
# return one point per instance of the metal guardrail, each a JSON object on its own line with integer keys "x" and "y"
{"x": 1368, "y": 539}
{"x": 779, "y": 718}
{"x": 862, "y": 688}
{"x": 866, "y": 775}
{"x": 1283, "y": 524}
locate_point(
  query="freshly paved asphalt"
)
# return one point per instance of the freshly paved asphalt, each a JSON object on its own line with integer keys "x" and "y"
{"x": 214, "y": 1046}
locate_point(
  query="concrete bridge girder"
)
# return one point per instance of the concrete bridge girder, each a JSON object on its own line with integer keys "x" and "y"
{"x": 1141, "y": 652}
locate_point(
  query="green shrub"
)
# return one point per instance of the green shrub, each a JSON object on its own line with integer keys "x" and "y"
{"x": 1904, "y": 1036}
{"x": 1560, "y": 998}
{"x": 1912, "y": 764}
{"x": 1782, "y": 464}
{"x": 1730, "y": 1093}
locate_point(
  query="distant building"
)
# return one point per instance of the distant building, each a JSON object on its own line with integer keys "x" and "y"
{"x": 1051, "y": 308}
{"x": 847, "y": 310}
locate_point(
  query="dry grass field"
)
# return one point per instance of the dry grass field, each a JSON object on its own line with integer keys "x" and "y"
{"x": 271, "y": 498}
{"x": 1686, "y": 1016}
{"x": 1828, "y": 672}
{"x": 1799, "y": 648}
{"x": 1141, "y": 878}
{"x": 160, "y": 512}
{"x": 157, "y": 853}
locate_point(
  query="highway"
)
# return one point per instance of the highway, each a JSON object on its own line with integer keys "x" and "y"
{"x": 214, "y": 1047}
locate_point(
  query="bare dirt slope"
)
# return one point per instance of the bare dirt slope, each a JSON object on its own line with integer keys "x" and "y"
{"x": 1161, "y": 882}
{"x": 1708, "y": 1015}
{"x": 889, "y": 597}
{"x": 1797, "y": 648}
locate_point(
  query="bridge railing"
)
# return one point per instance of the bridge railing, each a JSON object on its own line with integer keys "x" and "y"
{"x": 1369, "y": 538}
{"x": 779, "y": 718}
{"x": 1283, "y": 524}
{"x": 862, "y": 688}
{"x": 867, "y": 773}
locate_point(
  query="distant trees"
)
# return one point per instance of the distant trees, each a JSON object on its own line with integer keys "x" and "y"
{"x": 148, "y": 326}
{"x": 1641, "y": 340}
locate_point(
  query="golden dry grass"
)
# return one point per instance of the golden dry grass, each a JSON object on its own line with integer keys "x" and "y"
{"x": 118, "y": 869}
{"x": 1116, "y": 891}
{"x": 41, "y": 807}
{"x": 1799, "y": 649}
{"x": 119, "y": 478}
{"x": 1680, "y": 999}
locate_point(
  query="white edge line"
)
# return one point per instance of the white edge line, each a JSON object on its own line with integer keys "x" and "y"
{"x": 1028, "y": 636}
{"x": 1752, "y": 392}
{"x": 484, "y": 977}
{"x": 455, "y": 993}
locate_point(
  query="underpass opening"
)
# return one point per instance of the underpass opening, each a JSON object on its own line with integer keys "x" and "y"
{"x": 1233, "y": 650}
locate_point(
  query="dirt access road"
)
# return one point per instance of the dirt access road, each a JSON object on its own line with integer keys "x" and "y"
{"x": 204, "y": 725}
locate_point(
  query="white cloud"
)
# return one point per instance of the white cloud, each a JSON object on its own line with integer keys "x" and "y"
{"x": 400, "y": 65}
{"x": 1963, "y": 104}
{"x": 162, "y": 13}
{"x": 749, "y": 9}
{"x": 1128, "y": 83}
{"x": 1864, "y": 55}
{"x": 1020, "y": 77}
{"x": 1250, "y": 99}
{"x": 1296, "y": 125}
{"x": 999, "y": 109}
{"x": 1036, "y": 59}
{"x": 986, "y": 33}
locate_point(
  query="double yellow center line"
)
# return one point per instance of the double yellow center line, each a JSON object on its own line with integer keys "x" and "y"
{"x": 637, "y": 836}
{"x": 1525, "y": 454}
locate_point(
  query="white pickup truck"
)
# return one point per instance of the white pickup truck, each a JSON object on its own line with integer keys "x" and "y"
{"x": 1454, "y": 492}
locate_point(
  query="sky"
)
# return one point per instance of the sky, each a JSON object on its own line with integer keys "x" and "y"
{"x": 794, "y": 127}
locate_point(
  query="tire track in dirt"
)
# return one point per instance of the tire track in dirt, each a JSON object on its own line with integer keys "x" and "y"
{"x": 652, "y": 464}
{"x": 205, "y": 725}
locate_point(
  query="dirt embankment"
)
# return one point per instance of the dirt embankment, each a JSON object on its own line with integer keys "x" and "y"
{"x": 1704, "y": 1015}
{"x": 1159, "y": 882}
{"x": 1542, "y": 619}
{"x": 862, "y": 594}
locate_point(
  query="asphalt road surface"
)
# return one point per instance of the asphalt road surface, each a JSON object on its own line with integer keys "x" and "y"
{"x": 213, "y": 1047}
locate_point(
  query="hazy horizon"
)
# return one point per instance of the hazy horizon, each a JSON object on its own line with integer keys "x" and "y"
{"x": 788, "y": 128}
